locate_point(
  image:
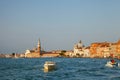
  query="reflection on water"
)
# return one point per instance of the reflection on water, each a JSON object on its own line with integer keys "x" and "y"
{"x": 67, "y": 69}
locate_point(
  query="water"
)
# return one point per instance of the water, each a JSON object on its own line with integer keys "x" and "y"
{"x": 67, "y": 69}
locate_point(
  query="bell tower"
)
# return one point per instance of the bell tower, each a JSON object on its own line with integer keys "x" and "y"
{"x": 39, "y": 47}
{"x": 80, "y": 45}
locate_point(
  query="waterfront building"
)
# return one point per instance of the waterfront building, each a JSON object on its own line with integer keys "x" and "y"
{"x": 86, "y": 52}
{"x": 50, "y": 54}
{"x": 118, "y": 49}
{"x": 35, "y": 53}
{"x": 69, "y": 53}
{"x": 105, "y": 49}
{"x": 100, "y": 49}
{"x": 113, "y": 50}
{"x": 7, "y": 55}
{"x": 22, "y": 55}
{"x": 79, "y": 50}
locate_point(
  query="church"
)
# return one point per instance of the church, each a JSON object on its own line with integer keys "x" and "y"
{"x": 35, "y": 53}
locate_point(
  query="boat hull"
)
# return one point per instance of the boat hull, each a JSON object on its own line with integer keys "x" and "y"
{"x": 49, "y": 66}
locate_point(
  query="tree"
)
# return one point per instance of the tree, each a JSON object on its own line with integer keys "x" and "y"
{"x": 62, "y": 53}
{"x": 13, "y": 54}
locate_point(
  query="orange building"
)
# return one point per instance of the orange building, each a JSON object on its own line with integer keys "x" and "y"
{"x": 93, "y": 48}
{"x": 100, "y": 49}
{"x": 105, "y": 49}
{"x": 118, "y": 49}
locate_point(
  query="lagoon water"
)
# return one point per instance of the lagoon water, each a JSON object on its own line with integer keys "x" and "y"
{"x": 67, "y": 69}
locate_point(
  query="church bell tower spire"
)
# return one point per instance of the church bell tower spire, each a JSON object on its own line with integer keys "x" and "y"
{"x": 39, "y": 46}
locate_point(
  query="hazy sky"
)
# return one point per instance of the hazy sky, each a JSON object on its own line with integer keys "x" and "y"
{"x": 58, "y": 23}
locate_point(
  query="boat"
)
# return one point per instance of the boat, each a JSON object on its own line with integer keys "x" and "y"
{"x": 109, "y": 64}
{"x": 49, "y": 66}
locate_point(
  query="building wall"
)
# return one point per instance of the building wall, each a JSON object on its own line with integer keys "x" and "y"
{"x": 105, "y": 49}
{"x": 50, "y": 54}
{"x": 93, "y": 48}
{"x": 118, "y": 47}
{"x": 32, "y": 55}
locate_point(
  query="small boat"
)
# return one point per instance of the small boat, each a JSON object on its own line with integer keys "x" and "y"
{"x": 49, "y": 66}
{"x": 109, "y": 64}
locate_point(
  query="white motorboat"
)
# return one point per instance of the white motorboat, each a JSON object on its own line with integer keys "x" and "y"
{"x": 49, "y": 66}
{"x": 109, "y": 64}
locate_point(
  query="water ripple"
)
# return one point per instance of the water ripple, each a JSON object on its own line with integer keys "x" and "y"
{"x": 67, "y": 69}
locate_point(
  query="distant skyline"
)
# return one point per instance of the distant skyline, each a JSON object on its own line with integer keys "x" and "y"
{"x": 58, "y": 23}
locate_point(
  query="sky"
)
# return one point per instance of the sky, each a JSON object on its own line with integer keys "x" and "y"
{"x": 58, "y": 23}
